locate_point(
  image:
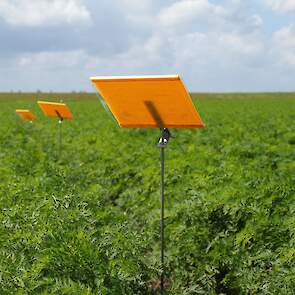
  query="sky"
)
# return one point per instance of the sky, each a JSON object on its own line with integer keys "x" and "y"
{"x": 216, "y": 46}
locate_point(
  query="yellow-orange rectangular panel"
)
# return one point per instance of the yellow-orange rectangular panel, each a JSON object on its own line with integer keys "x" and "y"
{"x": 149, "y": 101}
{"x": 26, "y": 114}
{"x": 54, "y": 109}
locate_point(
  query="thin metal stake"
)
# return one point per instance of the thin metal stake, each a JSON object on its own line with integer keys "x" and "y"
{"x": 60, "y": 137}
{"x": 60, "y": 133}
{"x": 163, "y": 141}
{"x": 162, "y": 218}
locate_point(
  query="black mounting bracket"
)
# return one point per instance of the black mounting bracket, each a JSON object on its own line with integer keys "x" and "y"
{"x": 165, "y": 137}
{"x": 59, "y": 116}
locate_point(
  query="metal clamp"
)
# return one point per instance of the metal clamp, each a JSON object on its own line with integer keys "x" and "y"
{"x": 165, "y": 137}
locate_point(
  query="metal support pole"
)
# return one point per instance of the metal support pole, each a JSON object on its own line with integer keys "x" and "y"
{"x": 163, "y": 141}
{"x": 60, "y": 121}
{"x": 162, "y": 218}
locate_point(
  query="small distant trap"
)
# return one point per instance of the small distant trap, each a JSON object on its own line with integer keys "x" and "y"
{"x": 26, "y": 115}
{"x": 150, "y": 102}
{"x": 59, "y": 111}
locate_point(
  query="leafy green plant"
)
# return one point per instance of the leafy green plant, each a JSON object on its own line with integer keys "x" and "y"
{"x": 88, "y": 222}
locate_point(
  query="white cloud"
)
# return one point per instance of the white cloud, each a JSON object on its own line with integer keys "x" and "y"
{"x": 256, "y": 21}
{"x": 209, "y": 32}
{"x": 284, "y": 40}
{"x": 246, "y": 45}
{"x": 186, "y": 11}
{"x": 214, "y": 45}
{"x": 286, "y": 37}
{"x": 43, "y": 12}
{"x": 197, "y": 39}
{"x": 185, "y": 37}
{"x": 188, "y": 54}
{"x": 47, "y": 60}
{"x": 283, "y": 6}
{"x": 135, "y": 5}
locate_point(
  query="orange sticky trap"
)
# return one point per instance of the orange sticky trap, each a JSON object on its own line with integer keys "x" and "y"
{"x": 149, "y": 101}
{"x": 54, "y": 109}
{"x": 26, "y": 115}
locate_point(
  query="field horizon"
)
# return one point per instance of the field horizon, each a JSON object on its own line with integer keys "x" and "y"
{"x": 76, "y": 95}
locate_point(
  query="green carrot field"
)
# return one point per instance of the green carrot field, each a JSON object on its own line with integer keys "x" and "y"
{"x": 87, "y": 222}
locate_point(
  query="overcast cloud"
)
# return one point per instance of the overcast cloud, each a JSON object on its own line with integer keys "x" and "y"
{"x": 226, "y": 45}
